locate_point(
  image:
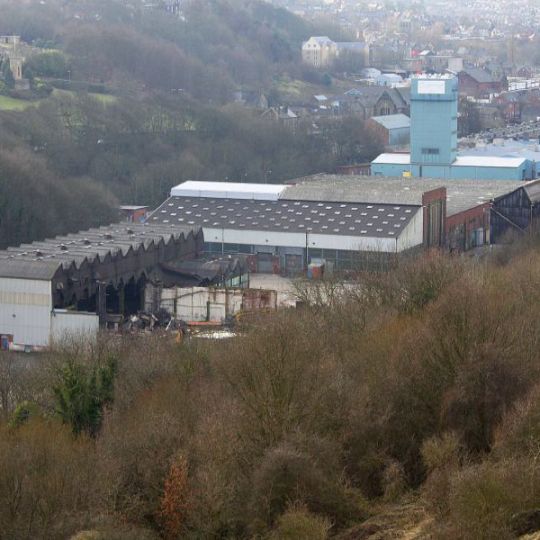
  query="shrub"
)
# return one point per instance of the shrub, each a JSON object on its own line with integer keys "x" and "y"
{"x": 297, "y": 523}
{"x": 441, "y": 458}
{"x": 484, "y": 498}
{"x": 286, "y": 475}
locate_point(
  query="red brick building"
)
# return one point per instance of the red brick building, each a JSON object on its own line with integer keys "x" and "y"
{"x": 477, "y": 82}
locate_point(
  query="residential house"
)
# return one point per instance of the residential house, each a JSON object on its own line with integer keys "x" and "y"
{"x": 321, "y": 51}
{"x": 477, "y": 82}
{"x": 368, "y": 101}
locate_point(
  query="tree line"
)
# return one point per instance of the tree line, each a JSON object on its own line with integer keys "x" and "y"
{"x": 67, "y": 163}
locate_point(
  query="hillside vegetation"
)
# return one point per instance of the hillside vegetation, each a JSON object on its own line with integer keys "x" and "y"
{"x": 164, "y": 114}
{"x": 420, "y": 382}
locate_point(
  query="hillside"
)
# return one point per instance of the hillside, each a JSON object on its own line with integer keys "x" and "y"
{"x": 142, "y": 101}
{"x": 407, "y": 407}
{"x": 214, "y": 47}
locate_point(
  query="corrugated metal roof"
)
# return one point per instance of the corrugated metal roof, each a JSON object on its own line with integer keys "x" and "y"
{"x": 533, "y": 190}
{"x": 393, "y": 121}
{"x": 461, "y": 194}
{"x": 461, "y": 161}
{"x": 488, "y": 161}
{"x": 288, "y": 216}
{"x": 41, "y": 260}
{"x": 238, "y": 190}
{"x": 393, "y": 159}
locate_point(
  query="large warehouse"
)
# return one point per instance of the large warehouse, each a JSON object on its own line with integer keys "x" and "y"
{"x": 70, "y": 283}
{"x": 343, "y": 220}
{"x": 281, "y": 230}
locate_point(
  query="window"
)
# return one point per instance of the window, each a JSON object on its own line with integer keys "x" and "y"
{"x": 430, "y": 151}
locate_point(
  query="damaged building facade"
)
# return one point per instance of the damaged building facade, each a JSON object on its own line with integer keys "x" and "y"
{"x": 71, "y": 284}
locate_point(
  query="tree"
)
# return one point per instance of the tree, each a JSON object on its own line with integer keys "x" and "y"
{"x": 7, "y": 75}
{"x": 82, "y": 394}
{"x": 175, "y": 502}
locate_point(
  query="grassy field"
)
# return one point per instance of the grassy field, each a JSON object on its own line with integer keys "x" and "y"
{"x": 12, "y": 104}
{"x": 106, "y": 99}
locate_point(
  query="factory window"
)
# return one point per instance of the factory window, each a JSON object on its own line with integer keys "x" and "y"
{"x": 212, "y": 247}
{"x": 430, "y": 151}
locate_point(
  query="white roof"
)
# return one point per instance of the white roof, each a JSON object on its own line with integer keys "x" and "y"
{"x": 393, "y": 159}
{"x": 488, "y": 161}
{"x": 461, "y": 161}
{"x": 228, "y": 190}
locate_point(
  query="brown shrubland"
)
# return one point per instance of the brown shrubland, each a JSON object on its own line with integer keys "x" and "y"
{"x": 424, "y": 379}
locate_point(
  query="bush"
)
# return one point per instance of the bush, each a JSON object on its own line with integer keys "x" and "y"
{"x": 297, "y": 523}
{"x": 441, "y": 458}
{"x": 287, "y": 474}
{"x": 484, "y": 498}
{"x": 47, "y": 64}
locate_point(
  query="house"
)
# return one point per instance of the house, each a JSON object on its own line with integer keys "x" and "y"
{"x": 477, "y": 82}
{"x": 12, "y": 49}
{"x": 321, "y": 51}
{"x": 368, "y": 101}
{"x": 283, "y": 115}
{"x": 389, "y": 79}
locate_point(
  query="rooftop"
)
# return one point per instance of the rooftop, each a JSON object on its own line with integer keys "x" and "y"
{"x": 287, "y": 216}
{"x": 461, "y": 160}
{"x": 41, "y": 260}
{"x": 488, "y": 161}
{"x": 461, "y": 194}
{"x": 227, "y": 190}
{"x": 393, "y": 159}
{"x": 393, "y": 121}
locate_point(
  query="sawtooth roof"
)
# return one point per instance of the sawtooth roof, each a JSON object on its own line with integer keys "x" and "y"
{"x": 42, "y": 260}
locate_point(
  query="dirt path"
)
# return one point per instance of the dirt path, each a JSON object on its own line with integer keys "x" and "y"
{"x": 407, "y": 521}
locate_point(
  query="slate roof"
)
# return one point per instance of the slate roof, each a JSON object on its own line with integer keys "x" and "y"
{"x": 287, "y": 216}
{"x": 41, "y": 260}
{"x": 370, "y": 95}
{"x": 479, "y": 75}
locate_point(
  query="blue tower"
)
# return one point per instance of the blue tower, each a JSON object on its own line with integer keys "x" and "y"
{"x": 434, "y": 109}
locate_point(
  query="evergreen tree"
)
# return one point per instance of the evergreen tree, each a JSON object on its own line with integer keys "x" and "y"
{"x": 82, "y": 394}
{"x": 7, "y": 75}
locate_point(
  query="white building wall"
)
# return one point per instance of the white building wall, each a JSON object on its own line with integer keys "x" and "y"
{"x": 68, "y": 325}
{"x": 25, "y": 308}
{"x": 195, "y": 303}
{"x": 413, "y": 235}
{"x": 324, "y": 241}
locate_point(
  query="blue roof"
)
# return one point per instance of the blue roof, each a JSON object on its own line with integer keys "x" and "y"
{"x": 393, "y": 121}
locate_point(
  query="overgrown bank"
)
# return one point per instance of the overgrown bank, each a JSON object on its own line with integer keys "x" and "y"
{"x": 424, "y": 380}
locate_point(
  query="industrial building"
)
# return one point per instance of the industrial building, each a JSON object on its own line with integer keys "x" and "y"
{"x": 434, "y": 148}
{"x": 73, "y": 283}
{"x": 457, "y": 214}
{"x": 341, "y": 220}
{"x": 279, "y": 232}
{"x": 393, "y": 129}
